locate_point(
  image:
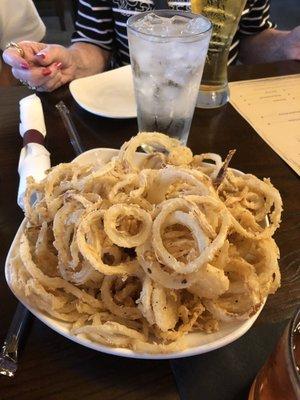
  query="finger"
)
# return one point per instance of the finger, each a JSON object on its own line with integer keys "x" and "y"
{"x": 35, "y": 76}
{"x": 50, "y": 54}
{"x": 36, "y": 46}
{"x": 12, "y": 57}
{"x": 31, "y": 49}
{"x": 52, "y": 84}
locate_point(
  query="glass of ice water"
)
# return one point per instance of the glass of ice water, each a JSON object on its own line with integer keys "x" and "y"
{"x": 167, "y": 52}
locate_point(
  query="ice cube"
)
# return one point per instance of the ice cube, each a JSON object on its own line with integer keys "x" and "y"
{"x": 179, "y": 20}
{"x": 170, "y": 91}
{"x": 151, "y": 23}
{"x": 176, "y": 26}
{"x": 176, "y": 76}
{"x": 154, "y": 19}
{"x": 162, "y": 26}
{"x": 196, "y": 25}
{"x": 143, "y": 56}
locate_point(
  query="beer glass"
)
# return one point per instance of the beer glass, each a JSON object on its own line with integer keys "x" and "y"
{"x": 167, "y": 53}
{"x": 224, "y": 16}
{"x": 279, "y": 378}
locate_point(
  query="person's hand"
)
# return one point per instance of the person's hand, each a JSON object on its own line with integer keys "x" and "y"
{"x": 291, "y": 46}
{"x": 43, "y": 67}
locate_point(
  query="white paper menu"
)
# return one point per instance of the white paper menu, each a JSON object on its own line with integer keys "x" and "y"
{"x": 272, "y": 107}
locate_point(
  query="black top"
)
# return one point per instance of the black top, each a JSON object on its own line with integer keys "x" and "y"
{"x": 103, "y": 23}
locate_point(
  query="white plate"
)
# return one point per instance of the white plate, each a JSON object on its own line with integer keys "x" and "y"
{"x": 198, "y": 342}
{"x": 109, "y": 94}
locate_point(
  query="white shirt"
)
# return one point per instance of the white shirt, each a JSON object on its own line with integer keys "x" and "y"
{"x": 19, "y": 20}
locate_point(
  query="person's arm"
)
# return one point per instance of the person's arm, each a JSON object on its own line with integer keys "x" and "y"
{"x": 88, "y": 59}
{"x": 93, "y": 39}
{"x": 79, "y": 60}
{"x": 270, "y": 45}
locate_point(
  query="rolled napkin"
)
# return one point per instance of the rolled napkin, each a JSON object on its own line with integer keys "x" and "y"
{"x": 34, "y": 158}
{"x": 31, "y": 115}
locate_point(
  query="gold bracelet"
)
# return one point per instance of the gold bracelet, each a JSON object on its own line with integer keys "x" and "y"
{"x": 17, "y": 47}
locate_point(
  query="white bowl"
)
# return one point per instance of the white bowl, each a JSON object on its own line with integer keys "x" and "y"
{"x": 197, "y": 342}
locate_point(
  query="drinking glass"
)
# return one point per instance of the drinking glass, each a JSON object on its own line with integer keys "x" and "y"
{"x": 167, "y": 53}
{"x": 279, "y": 378}
{"x": 224, "y": 16}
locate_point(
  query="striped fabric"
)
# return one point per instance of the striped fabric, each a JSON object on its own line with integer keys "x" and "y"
{"x": 103, "y": 23}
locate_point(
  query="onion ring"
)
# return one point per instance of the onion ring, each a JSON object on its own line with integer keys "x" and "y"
{"x": 125, "y": 239}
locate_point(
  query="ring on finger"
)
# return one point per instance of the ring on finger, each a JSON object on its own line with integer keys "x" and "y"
{"x": 28, "y": 85}
{"x": 17, "y": 47}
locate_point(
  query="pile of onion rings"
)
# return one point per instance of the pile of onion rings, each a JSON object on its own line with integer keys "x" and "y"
{"x": 137, "y": 254}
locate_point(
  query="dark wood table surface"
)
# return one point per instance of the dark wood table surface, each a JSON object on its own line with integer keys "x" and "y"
{"x": 52, "y": 367}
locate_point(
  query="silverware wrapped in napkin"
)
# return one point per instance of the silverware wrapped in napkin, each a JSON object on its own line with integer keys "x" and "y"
{"x": 34, "y": 161}
{"x": 34, "y": 158}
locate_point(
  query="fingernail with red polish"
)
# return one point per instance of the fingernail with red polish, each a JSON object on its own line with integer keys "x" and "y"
{"x": 46, "y": 72}
{"x": 24, "y": 65}
{"x": 42, "y": 55}
{"x": 58, "y": 65}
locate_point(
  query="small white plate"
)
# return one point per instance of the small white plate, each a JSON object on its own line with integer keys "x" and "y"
{"x": 109, "y": 94}
{"x": 198, "y": 342}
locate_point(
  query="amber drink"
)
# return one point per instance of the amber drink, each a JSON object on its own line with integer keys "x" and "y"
{"x": 224, "y": 16}
{"x": 279, "y": 378}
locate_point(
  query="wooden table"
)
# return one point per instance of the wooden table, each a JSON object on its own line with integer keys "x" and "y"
{"x": 52, "y": 367}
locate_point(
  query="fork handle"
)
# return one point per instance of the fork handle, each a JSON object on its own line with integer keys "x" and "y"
{"x": 11, "y": 343}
